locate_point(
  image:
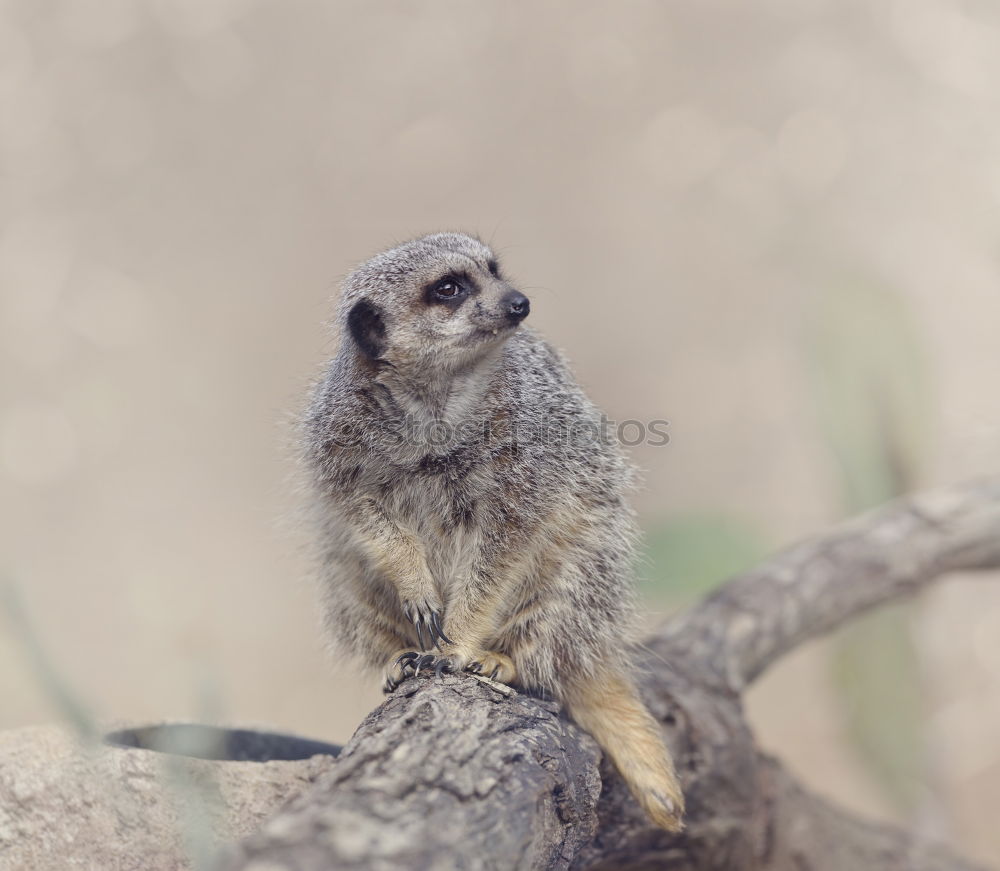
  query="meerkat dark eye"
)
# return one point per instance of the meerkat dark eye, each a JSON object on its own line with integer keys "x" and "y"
{"x": 494, "y": 268}
{"x": 449, "y": 289}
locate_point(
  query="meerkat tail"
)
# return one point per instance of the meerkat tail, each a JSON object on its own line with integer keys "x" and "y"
{"x": 609, "y": 709}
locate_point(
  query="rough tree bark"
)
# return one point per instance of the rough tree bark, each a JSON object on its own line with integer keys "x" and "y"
{"x": 457, "y": 773}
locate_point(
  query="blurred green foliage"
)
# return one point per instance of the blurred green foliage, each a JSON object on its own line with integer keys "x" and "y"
{"x": 869, "y": 380}
{"x": 685, "y": 556}
{"x": 198, "y": 800}
{"x": 877, "y": 676}
{"x": 54, "y": 684}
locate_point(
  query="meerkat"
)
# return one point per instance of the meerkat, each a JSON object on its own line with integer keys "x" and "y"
{"x": 473, "y": 514}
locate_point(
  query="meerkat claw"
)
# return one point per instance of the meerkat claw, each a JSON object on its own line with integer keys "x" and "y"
{"x": 442, "y": 667}
{"x": 406, "y": 660}
{"x": 436, "y": 627}
{"x": 401, "y": 666}
{"x": 427, "y": 624}
{"x": 418, "y": 624}
{"x": 425, "y": 661}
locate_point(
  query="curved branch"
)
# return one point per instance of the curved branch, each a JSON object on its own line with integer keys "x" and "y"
{"x": 453, "y": 773}
{"x": 893, "y": 552}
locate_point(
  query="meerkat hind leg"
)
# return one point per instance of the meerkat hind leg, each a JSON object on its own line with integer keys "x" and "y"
{"x": 494, "y": 665}
{"x": 487, "y": 663}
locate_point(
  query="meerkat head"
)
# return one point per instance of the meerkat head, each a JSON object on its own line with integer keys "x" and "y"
{"x": 438, "y": 301}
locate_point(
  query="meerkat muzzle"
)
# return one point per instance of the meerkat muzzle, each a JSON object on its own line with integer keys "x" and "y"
{"x": 516, "y": 306}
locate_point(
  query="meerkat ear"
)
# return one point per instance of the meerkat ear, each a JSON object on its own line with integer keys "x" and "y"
{"x": 367, "y": 328}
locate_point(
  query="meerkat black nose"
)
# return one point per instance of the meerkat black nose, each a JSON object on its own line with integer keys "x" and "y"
{"x": 517, "y": 306}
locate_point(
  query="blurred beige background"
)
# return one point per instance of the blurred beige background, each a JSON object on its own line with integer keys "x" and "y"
{"x": 700, "y": 199}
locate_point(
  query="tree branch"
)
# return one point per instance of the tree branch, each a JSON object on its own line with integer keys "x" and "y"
{"x": 817, "y": 585}
{"x": 448, "y": 773}
{"x": 454, "y": 773}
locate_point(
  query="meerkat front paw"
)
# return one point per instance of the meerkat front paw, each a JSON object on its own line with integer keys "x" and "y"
{"x": 426, "y": 619}
{"x": 400, "y": 664}
{"x": 407, "y": 663}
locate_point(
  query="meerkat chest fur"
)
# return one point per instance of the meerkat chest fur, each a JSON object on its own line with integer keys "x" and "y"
{"x": 435, "y": 471}
{"x": 415, "y": 451}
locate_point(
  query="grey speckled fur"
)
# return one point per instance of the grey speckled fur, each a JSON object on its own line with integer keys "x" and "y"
{"x": 459, "y": 471}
